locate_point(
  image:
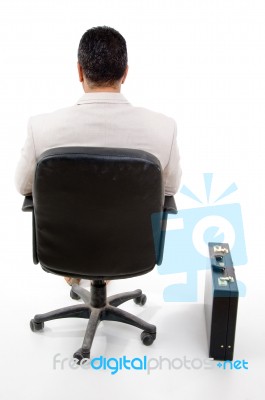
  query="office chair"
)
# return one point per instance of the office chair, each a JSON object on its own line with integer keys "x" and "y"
{"x": 98, "y": 214}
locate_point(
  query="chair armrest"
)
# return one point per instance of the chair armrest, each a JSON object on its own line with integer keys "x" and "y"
{"x": 169, "y": 208}
{"x": 28, "y": 204}
{"x": 170, "y": 205}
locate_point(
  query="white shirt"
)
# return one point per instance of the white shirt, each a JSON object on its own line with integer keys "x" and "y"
{"x": 102, "y": 119}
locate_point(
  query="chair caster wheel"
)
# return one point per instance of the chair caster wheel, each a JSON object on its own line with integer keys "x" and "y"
{"x": 36, "y": 326}
{"x": 74, "y": 296}
{"x": 81, "y": 355}
{"x": 147, "y": 338}
{"x": 141, "y": 300}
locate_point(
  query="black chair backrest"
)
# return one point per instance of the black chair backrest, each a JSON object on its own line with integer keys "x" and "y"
{"x": 93, "y": 211}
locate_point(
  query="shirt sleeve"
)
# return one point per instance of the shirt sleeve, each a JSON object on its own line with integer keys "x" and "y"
{"x": 25, "y": 169}
{"x": 172, "y": 172}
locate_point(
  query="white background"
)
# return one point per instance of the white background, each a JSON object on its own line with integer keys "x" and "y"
{"x": 201, "y": 62}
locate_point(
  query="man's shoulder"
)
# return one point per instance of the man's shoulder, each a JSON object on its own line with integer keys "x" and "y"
{"x": 51, "y": 116}
{"x": 154, "y": 120}
{"x": 146, "y": 112}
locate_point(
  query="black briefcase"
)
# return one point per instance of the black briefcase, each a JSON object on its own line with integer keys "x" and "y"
{"x": 220, "y": 303}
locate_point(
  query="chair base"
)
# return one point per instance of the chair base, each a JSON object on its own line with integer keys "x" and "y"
{"x": 98, "y": 307}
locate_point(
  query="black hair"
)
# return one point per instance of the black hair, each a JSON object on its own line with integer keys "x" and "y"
{"x": 102, "y": 54}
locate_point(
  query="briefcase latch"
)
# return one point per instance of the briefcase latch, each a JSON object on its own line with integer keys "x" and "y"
{"x": 224, "y": 280}
{"x": 220, "y": 249}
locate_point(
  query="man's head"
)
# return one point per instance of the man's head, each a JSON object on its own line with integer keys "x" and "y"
{"x": 102, "y": 59}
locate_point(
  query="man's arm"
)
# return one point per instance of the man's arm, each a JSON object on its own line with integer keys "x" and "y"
{"x": 172, "y": 172}
{"x": 26, "y": 166}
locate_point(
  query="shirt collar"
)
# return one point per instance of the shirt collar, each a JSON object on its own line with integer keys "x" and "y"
{"x": 103, "y": 97}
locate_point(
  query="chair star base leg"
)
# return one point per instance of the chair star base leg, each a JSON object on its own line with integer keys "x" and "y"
{"x": 98, "y": 307}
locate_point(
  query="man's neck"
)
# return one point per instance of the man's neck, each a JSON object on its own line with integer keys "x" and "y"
{"x": 97, "y": 89}
{"x": 103, "y": 89}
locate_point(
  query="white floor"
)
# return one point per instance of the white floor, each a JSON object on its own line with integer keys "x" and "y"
{"x": 27, "y": 358}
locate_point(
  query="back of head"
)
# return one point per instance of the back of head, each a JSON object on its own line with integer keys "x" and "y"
{"x": 102, "y": 54}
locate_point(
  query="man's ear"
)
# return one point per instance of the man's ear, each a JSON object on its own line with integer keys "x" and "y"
{"x": 80, "y": 72}
{"x": 125, "y": 74}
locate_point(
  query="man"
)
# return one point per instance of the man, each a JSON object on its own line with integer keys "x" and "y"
{"x": 103, "y": 116}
